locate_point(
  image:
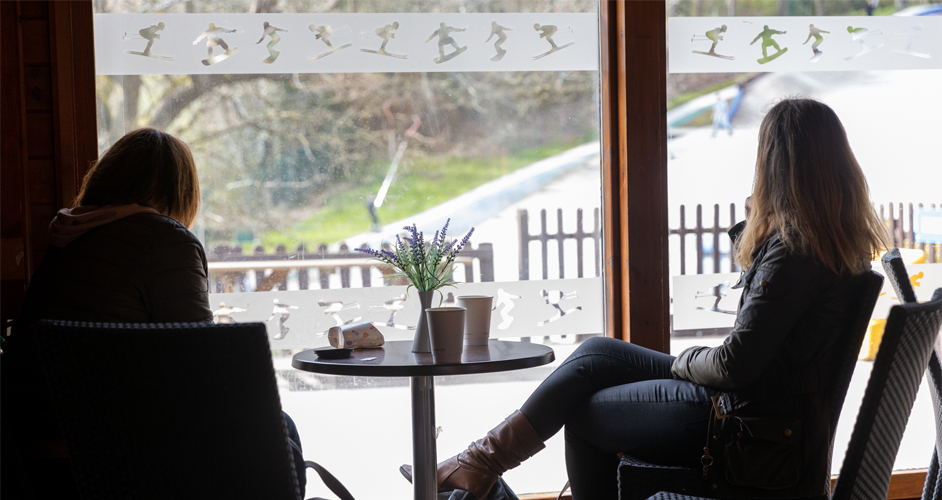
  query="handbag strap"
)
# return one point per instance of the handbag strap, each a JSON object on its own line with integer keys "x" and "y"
{"x": 332, "y": 483}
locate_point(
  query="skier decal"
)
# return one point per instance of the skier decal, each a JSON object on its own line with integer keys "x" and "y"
{"x": 150, "y": 34}
{"x": 767, "y": 41}
{"x": 272, "y": 32}
{"x": 498, "y": 30}
{"x": 386, "y": 33}
{"x": 212, "y": 40}
{"x": 323, "y": 34}
{"x": 444, "y": 39}
{"x": 818, "y": 39}
{"x": 715, "y": 36}
{"x": 547, "y": 31}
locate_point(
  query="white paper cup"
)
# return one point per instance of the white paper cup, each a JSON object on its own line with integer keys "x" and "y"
{"x": 446, "y": 331}
{"x": 356, "y": 336}
{"x": 477, "y": 321}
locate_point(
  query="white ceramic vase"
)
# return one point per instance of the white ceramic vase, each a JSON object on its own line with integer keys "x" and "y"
{"x": 420, "y": 343}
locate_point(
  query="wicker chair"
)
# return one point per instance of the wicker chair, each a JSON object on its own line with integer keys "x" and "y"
{"x": 899, "y": 278}
{"x": 910, "y": 333}
{"x": 169, "y": 410}
{"x": 638, "y": 480}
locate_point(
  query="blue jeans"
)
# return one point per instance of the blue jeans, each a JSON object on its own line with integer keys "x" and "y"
{"x": 615, "y": 397}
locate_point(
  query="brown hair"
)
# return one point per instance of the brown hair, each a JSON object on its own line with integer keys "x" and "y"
{"x": 149, "y": 168}
{"x": 810, "y": 189}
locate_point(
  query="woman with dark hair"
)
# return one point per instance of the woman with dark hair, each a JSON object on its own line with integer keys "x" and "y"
{"x": 123, "y": 253}
{"x": 810, "y": 237}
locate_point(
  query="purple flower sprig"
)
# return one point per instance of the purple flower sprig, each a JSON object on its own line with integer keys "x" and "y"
{"x": 428, "y": 266}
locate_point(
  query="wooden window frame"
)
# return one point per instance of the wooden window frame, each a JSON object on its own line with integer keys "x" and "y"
{"x": 634, "y": 163}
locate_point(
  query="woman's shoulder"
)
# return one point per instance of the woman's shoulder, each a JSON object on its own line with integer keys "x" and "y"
{"x": 149, "y": 229}
{"x": 775, "y": 256}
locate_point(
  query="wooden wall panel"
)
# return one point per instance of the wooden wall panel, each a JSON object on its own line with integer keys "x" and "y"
{"x": 35, "y": 40}
{"x": 73, "y": 80}
{"x": 39, "y": 135}
{"x": 48, "y": 128}
{"x": 37, "y": 82}
{"x": 34, "y": 10}
{"x": 13, "y": 250}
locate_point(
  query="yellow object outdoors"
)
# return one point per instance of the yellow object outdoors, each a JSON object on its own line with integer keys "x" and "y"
{"x": 871, "y": 342}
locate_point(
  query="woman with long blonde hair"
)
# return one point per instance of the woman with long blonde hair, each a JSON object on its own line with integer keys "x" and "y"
{"x": 804, "y": 250}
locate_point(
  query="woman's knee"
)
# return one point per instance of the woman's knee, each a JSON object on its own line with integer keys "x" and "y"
{"x": 598, "y": 345}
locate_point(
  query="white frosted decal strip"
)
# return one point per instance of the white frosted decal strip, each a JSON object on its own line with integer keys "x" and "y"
{"x": 705, "y": 301}
{"x": 140, "y": 44}
{"x": 301, "y": 319}
{"x": 771, "y": 44}
{"x": 708, "y": 301}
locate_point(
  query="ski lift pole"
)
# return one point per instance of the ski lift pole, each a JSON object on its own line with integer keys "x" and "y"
{"x": 391, "y": 174}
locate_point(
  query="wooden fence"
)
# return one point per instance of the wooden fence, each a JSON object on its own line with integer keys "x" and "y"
{"x": 902, "y": 235}
{"x": 228, "y": 267}
{"x": 523, "y": 225}
{"x": 899, "y": 224}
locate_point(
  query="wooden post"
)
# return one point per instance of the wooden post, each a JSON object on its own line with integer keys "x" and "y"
{"x": 612, "y": 86}
{"x": 699, "y": 232}
{"x": 716, "y": 238}
{"x": 486, "y": 261}
{"x": 641, "y": 44}
{"x": 732, "y": 247}
{"x": 523, "y": 226}
{"x": 544, "y": 239}
{"x": 579, "y": 237}
{"x": 683, "y": 241}
{"x": 596, "y": 241}
{"x": 560, "y": 238}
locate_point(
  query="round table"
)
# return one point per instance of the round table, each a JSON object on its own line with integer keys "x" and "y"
{"x": 396, "y": 359}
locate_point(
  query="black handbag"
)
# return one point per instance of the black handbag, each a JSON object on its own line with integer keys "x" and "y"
{"x": 749, "y": 452}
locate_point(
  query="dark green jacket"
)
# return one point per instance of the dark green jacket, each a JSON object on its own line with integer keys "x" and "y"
{"x": 777, "y": 358}
{"x": 144, "y": 268}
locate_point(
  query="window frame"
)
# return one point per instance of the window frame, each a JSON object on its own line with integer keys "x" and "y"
{"x": 633, "y": 40}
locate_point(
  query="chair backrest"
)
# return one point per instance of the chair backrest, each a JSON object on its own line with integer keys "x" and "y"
{"x": 904, "y": 352}
{"x": 932, "y": 490}
{"x": 852, "y": 338}
{"x": 169, "y": 410}
{"x": 899, "y": 278}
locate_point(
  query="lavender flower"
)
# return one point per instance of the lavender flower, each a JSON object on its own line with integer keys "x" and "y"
{"x": 428, "y": 266}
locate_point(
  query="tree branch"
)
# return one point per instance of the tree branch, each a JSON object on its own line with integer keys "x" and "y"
{"x": 181, "y": 97}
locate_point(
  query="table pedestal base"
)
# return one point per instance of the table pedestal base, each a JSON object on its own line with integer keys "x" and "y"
{"x": 424, "y": 456}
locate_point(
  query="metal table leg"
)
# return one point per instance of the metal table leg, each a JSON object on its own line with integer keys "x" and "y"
{"x": 424, "y": 458}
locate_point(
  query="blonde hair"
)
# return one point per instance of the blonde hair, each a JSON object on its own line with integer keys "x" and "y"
{"x": 149, "y": 168}
{"x": 810, "y": 189}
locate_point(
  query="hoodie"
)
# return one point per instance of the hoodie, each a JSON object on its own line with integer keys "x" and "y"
{"x": 70, "y": 223}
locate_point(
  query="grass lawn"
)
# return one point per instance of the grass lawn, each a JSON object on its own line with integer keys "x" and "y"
{"x": 421, "y": 183}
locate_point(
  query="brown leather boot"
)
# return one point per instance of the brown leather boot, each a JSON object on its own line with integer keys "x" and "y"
{"x": 476, "y": 469}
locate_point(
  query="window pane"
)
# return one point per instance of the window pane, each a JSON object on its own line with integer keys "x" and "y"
{"x": 320, "y": 127}
{"x": 879, "y": 74}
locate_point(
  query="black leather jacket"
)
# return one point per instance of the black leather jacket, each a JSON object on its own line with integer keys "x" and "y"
{"x": 776, "y": 359}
